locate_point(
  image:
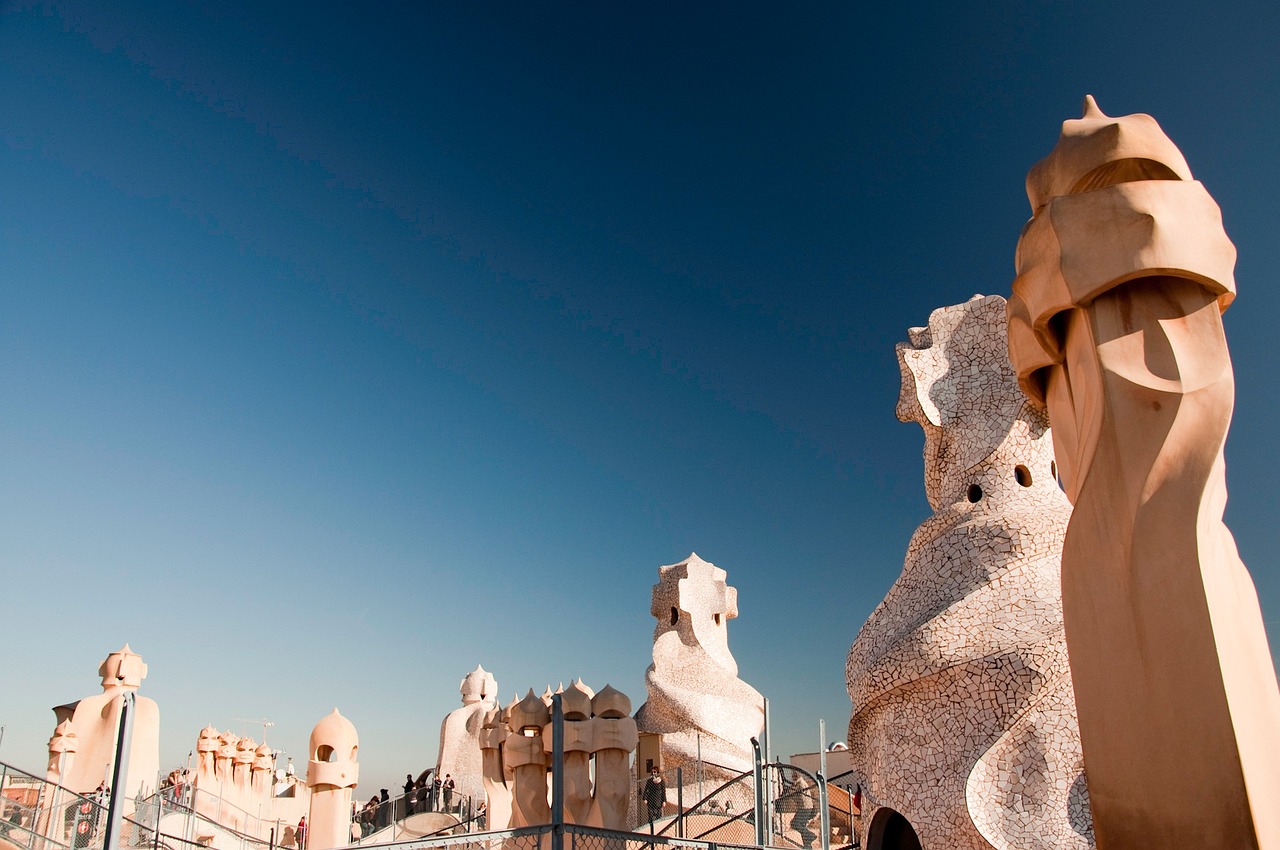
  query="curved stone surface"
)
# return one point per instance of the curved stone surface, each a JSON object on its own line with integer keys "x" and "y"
{"x": 460, "y": 735}
{"x": 1116, "y": 327}
{"x": 693, "y": 684}
{"x": 332, "y": 774}
{"x": 963, "y": 716}
{"x": 93, "y": 722}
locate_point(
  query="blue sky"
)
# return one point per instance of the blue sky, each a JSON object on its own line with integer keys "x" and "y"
{"x": 344, "y": 348}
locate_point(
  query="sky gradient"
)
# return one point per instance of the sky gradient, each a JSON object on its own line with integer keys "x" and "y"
{"x": 345, "y": 347}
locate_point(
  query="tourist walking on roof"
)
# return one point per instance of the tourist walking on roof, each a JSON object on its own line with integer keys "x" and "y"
{"x": 655, "y": 794}
{"x": 447, "y": 789}
{"x": 406, "y": 802}
{"x": 300, "y": 833}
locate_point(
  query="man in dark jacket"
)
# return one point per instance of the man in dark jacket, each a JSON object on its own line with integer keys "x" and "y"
{"x": 655, "y": 794}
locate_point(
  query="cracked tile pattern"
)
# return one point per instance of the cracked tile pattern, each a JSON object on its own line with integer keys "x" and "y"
{"x": 695, "y": 695}
{"x": 460, "y": 734}
{"x": 963, "y": 715}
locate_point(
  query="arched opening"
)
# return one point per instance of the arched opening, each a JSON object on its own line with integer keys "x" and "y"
{"x": 324, "y": 752}
{"x": 675, "y": 615}
{"x": 891, "y": 831}
{"x": 1022, "y": 475}
{"x": 1120, "y": 171}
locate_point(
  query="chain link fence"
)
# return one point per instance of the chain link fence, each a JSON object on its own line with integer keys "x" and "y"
{"x": 36, "y": 814}
{"x": 567, "y": 837}
{"x": 726, "y": 812}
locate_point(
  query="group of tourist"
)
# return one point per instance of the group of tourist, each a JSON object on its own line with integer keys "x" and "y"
{"x": 176, "y": 786}
{"x": 375, "y": 813}
{"x": 427, "y": 793}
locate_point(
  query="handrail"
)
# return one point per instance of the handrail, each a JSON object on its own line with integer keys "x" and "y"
{"x": 62, "y": 819}
{"x": 702, "y": 807}
{"x": 578, "y": 836}
{"x": 406, "y": 805}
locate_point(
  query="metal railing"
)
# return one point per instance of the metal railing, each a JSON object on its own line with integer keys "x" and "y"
{"x": 40, "y": 815}
{"x": 845, "y": 792}
{"x": 792, "y": 807}
{"x": 686, "y": 788}
{"x": 51, "y": 817}
{"x": 562, "y": 837}
{"x": 217, "y": 810}
{"x": 378, "y": 815}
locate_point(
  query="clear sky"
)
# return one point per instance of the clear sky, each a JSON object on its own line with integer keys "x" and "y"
{"x": 344, "y": 347}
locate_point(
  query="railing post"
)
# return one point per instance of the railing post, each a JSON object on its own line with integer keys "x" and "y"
{"x": 557, "y": 772}
{"x": 680, "y": 802}
{"x": 75, "y": 827}
{"x": 825, "y": 820}
{"x": 857, "y": 832}
{"x": 757, "y": 773}
{"x": 115, "y": 814}
{"x": 822, "y": 785}
{"x": 159, "y": 811}
{"x": 699, "y": 765}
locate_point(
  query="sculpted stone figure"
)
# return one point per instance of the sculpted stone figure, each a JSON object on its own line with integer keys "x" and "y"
{"x": 497, "y": 782}
{"x": 1115, "y": 325}
{"x": 246, "y": 750}
{"x": 578, "y": 748}
{"x": 522, "y": 751}
{"x": 207, "y": 745}
{"x": 263, "y": 767}
{"x": 332, "y": 773}
{"x": 62, "y": 755}
{"x": 517, "y": 743}
{"x": 460, "y": 734}
{"x": 694, "y": 690}
{"x": 233, "y": 779}
{"x": 614, "y": 737}
{"x": 94, "y": 720}
{"x": 247, "y": 799}
{"x": 62, "y": 752}
{"x": 963, "y": 718}
{"x": 226, "y": 762}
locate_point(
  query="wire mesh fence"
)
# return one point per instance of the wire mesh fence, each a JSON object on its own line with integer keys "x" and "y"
{"x": 36, "y": 814}
{"x": 790, "y": 803}
{"x": 39, "y": 815}
{"x": 566, "y": 837}
{"x": 414, "y": 814}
